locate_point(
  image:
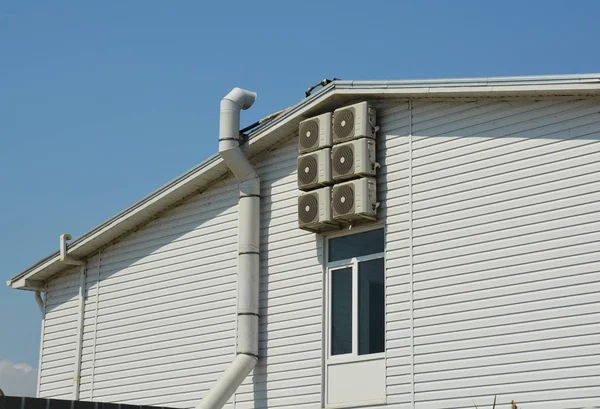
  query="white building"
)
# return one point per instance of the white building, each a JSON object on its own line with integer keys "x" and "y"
{"x": 480, "y": 276}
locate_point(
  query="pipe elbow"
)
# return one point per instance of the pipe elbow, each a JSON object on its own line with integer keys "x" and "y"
{"x": 231, "y": 379}
{"x": 241, "y": 97}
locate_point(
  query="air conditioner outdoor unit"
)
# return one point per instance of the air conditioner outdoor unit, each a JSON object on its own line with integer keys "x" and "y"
{"x": 315, "y": 133}
{"x": 353, "y": 159}
{"x": 314, "y": 169}
{"x": 355, "y": 200}
{"x": 354, "y": 121}
{"x": 314, "y": 210}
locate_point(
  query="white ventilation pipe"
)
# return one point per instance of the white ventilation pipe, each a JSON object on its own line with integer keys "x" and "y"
{"x": 248, "y": 245}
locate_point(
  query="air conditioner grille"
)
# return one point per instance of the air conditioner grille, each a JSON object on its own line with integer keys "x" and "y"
{"x": 343, "y": 123}
{"x": 308, "y": 207}
{"x": 309, "y": 134}
{"x": 343, "y": 199}
{"x": 307, "y": 170}
{"x": 343, "y": 160}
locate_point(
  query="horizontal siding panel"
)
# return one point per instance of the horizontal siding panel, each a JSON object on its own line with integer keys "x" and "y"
{"x": 574, "y": 267}
{"x": 544, "y": 344}
{"x": 561, "y": 249}
{"x": 508, "y": 169}
{"x": 550, "y": 363}
{"x": 524, "y": 311}
{"x": 306, "y": 397}
{"x": 525, "y": 185}
{"x": 191, "y": 244}
{"x": 500, "y": 213}
{"x": 394, "y": 193}
{"x": 482, "y": 134}
{"x": 514, "y": 385}
{"x": 59, "y": 336}
{"x": 145, "y": 292}
{"x": 527, "y": 194}
{"x": 165, "y": 317}
{"x": 527, "y": 224}
{"x": 518, "y": 293}
{"x": 476, "y": 138}
{"x": 290, "y": 298}
{"x": 505, "y": 274}
{"x": 513, "y": 332}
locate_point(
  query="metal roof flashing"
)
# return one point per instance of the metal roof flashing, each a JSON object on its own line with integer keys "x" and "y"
{"x": 338, "y": 92}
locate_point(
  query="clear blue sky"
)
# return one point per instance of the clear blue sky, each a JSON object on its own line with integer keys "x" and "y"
{"x": 102, "y": 102}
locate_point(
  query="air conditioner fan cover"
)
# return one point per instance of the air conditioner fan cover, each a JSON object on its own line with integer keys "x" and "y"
{"x": 309, "y": 134}
{"x": 343, "y": 123}
{"x": 343, "y": 160}
{"x": 308, "y": 208}
{"x": 343, "y": 199}
{"x": 307, "y": 170}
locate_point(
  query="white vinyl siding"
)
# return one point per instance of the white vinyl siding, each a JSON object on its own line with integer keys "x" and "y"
{"x": 506, "y": 263}
{"x": 502, "y": 256}
{"x": 291, "y": 290}
{"x": 166, "y": 310}
{"x": 60, "y": 336}
{"x": 394, "y": 194}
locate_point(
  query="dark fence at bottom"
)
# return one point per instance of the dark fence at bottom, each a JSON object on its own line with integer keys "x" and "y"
{"x": 17, "y": 402}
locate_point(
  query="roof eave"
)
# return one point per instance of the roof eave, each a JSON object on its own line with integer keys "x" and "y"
{"x": 201, "y": 176}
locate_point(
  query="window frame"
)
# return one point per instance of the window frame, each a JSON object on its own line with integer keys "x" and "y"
{"x": 353, "y": 262}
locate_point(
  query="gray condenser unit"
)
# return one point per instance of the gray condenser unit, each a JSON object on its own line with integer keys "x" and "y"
{"x": 353, "y": 159}
{"x": 314, "y": 169}
{"x": 353, "y": 122}
{"x": 315, "y": 133}
{"x": 314, "y": 210}
{"x": 355, "y": 200}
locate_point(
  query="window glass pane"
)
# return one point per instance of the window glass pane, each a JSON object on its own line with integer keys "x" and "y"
{"x": 341, "y": 311}
{"x": 356, "y": 245}
{"x": 371, "y": 307}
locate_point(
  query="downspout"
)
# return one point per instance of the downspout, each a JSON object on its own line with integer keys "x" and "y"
{"x": 248, "y": 246}
{"x": 66, "y": 259}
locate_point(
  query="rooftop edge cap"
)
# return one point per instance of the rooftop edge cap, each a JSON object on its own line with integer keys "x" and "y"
{"x": 243, "y": 98}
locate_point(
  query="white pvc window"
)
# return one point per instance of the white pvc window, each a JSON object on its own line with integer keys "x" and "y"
{"x": 356, "y": 296}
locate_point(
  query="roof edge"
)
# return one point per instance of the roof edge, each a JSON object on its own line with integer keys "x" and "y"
{"x": 199, "y": 175}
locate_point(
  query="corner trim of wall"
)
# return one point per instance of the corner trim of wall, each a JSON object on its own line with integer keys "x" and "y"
{"x": 325, "y": 252}
{"x": 79, "y": 344}
{"x": 410, "y": 245}
{"x": 95, "y": 326}
{"x": 43, "y": 326}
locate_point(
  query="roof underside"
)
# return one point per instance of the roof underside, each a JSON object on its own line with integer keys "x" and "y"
{"x": 330, "y": 97}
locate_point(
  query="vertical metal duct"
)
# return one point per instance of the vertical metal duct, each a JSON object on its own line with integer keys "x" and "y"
{"x": 248, "y": 246}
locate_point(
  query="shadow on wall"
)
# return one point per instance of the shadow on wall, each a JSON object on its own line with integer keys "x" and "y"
{"x": 174, "y": 275}
{"x": 283, "y": 324}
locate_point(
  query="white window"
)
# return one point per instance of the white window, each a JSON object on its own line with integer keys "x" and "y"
{"x": 355, "y": 317}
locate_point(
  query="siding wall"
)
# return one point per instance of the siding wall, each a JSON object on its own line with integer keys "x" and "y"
{"x": 506, "y": 222}
{"x": 59, "y": 336}
{"x": 502, "y": 257}
{"x": 289, "y": 373}
{"x": 394, "y": 195}
{"x": 161, "y": 330}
